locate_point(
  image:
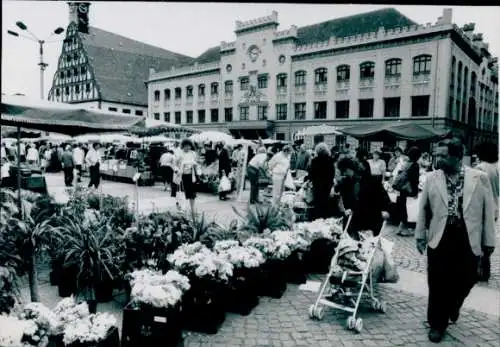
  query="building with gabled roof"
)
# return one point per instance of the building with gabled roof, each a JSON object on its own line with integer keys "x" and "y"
{"x": 107, "y": 71}
{"x": 375, "y": 67}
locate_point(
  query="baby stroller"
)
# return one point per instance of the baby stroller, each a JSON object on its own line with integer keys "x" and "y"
{"x": 348, "y": 279}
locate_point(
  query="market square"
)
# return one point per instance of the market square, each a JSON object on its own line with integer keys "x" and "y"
{"x": 323, "y": 182}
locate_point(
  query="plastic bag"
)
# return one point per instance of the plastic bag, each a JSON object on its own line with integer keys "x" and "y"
{"x": 289, "y": 183}
{"x": 377, "y": 266}
{"x": 390, "y": 270}
{"x": 224, "y": 184}
{"x": 412, "y": 208}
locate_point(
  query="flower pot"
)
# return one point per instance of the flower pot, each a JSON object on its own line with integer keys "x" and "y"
{"x": 104, "y": 291}
{"x": 55, "y": 341}
{"x": 112, "y": 339}
{"x": 317, "y": 259}
{"x": 241, "y": 295}
{"x": 92, "y": 306}
{"x": 67, "y": 281}
{"x": 202, "y": 307}
{"x": 55, "y": 273}
{"x": 151, "y": 326}
{"x": 294, "y": 268}
{"x": 272, "y": 282}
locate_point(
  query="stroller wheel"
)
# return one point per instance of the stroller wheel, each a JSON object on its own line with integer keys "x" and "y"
{"x": 350, "y": 323}
{"x": 383, "y": 307}
{"x": 376, "y": 305}
{"x": 319, "y": 312}
{"x": 311, "y": 311}
{"x": 358, "y": 326}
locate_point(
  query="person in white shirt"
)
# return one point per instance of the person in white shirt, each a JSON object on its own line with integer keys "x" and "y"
{"x": 279, "y": 166}
{"x": 256, "y": 164}
{"x": 78, "y": 157}
{"x": 4, "y": 172}
{"x": 189, "y": 171}
{"x": 377, "y": 165}
{"x": 32, "y": 155}
{"x": 93, "y": 161}
{"x": 167, "y": 167}
{"x": 22, "y": 152}
{"x": 4, "y": 151}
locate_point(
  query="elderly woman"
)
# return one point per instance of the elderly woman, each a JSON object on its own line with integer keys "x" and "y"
{"x": 321, "y": 174}
{"x": 279, "y": 166}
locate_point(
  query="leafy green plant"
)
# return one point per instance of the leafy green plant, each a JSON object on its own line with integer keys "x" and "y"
{"x": 261, "y": 217}
{"x": 218, "y": 232}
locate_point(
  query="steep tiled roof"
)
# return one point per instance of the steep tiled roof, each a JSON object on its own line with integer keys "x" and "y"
{"x": 341, "y": 27}
{"x": 121, "y": 65}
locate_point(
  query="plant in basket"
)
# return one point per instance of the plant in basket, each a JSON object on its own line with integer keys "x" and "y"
{"x": 208, "y": 274}
{"x": 153, "y": 315}
{"x": 294, "y": 269}
{"x": 273, "y": 281}
{"x": 93, "y": 330}
{"x": 46, "y": 323}
{"x": 260, "y": 218}
{"x": 323, "y": 236}
{"x": 93, "y": 251}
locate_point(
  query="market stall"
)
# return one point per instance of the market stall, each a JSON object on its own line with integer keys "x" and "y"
{"x": 308, "y": 134}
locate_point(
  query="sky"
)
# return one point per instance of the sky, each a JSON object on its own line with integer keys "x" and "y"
{"x": 187, "y": 28}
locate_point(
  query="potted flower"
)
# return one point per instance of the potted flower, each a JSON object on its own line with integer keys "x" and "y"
{"x": 14, "y": 330}
{"x": 208, "y": 273}
{"x": 153, "y": 315}
{"x": 294, "y": 269}
{"x": 273, "y": 281}
{"x": 46, "y": 323}
{"x": 94, "y": 330}
{"x": 323, "y": 235}
{"x": 242, "y": 293}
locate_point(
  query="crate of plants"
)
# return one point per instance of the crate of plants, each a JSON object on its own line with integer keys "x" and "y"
{"x": 203, "y": 309}
{"x": 272, "y": 278}
{"x": 95, "y": 330}
{"x": 154, "y": 313}
{"x": 242, "y": 290}
{"x": 294, "y": 269}
{"x": 323, "y": 236}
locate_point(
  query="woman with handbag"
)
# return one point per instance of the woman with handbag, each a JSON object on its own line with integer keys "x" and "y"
{"x": 189, "y": 169}
{"x": 406, "y": 183}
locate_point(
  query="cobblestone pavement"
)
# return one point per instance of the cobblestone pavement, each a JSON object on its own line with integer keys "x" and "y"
{"x": 405, "y": 253}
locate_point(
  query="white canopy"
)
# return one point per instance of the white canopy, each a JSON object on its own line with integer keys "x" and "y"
{"x": 107, "y": 137}
{"x": 211, "y": 136}
{"x": 158, "y": 138}
{"x": 322, "y": 129}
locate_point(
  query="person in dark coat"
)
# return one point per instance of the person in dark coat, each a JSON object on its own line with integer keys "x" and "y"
{"x": 413, "y": 173}
{"x": 363, "y": 195}
{"x": 68, "y": 166}
{"x": 224, "y": 165}
{"x": 321, "y": 174}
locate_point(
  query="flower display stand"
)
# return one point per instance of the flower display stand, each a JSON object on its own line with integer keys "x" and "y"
{"x": 272, "y": 279}
{"x": 317, "y": 259}
{"x": 202, "y": 307}
{"x": 241, "y": 296}
{"x": 151, "y": 326}
{"x": 295, "y": 271}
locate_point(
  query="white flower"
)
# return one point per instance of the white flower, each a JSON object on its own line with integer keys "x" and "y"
{"x": 225, "y": 245}
{"x": 243, "y": 257}
{"x": 92, "y": 328}
{"x": 41, "y": 315}
{"x": 291, "y": 239}
{"x": 12, "y": 330}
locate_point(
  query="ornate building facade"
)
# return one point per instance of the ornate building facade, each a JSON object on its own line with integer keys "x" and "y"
{"x": 373, "y": 67}
{"x": 103, "y": 70}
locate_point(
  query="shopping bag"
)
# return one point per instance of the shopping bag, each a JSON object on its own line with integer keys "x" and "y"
{"x": 289, "y": 183}
{"x": 224, "y": 184}
{"x": 390, "y": 270}
{"x": 412, "y": 208}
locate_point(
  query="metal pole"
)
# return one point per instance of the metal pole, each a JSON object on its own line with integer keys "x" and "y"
{"x": 42, "y": 72}
{"x": 19, "y": 203}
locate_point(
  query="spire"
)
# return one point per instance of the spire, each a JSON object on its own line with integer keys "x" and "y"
{"x": 79, "y": 13}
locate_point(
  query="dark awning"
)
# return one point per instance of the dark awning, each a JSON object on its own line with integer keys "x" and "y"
{"x": 406, "y": 131}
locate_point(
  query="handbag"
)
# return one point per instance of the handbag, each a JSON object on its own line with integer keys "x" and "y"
{"x": 402, "y": 183}
{"x": 412, "y": 208}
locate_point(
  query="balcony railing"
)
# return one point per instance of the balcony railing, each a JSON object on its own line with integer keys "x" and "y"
{"x": 366, "y": 83}
{"x": 422, "y": 78}
{"x": 343, "y": 85}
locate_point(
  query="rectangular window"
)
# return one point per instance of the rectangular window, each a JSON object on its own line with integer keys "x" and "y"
{"x": 201, "y": 116}
{"x": 262, "y": 82}
{"x": 280, "y": 136}
{"x": 228, "y": 87}
{"x": 244, "y": 82}
{"x": 177, "y": 118}
{"x": 262, "y": 112}
{"x": 422, "y": 65}
{"x": 214, "y": 115}
{"x": 87, "y": 88}
{"x": 300, "y": 111}
{"x": 281, "y": 111}
{"x": 228, "y": 114}
{"x": 281, "y": 81}
{"x": 77, "y": 90}
{"x": 201, "y": 90}
{"x": 244, "y": 112}
{"x": 391, "y": 107}
{"x": 138, "y": 112}
{"x": 178, "y": 93}
{"x": 343, "y": 73}
{"x": 126, "y": 110}
{"x": 189, "y": 92}
{"x": 300, "y": 78}
{"x": 366, "y": 108}
{"x": 166, "y": 117}
{"x": 113, "y": 109}
{"x": 189, "y": 117}
{"x": 420, "y": 106}
{"x": 342, "y": 109}
{"x": 156, "y": 115}
{"x": 66, "y": 90}
{"x": 166, "y": 94}
{"x": 320, "y": 110}
{"x": 214, "y": 88}
{"x": 321, "y": 76}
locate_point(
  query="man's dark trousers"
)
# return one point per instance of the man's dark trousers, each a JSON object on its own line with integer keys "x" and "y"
{"x": 68, "y": 176}
{"x": 451, "y": 273}
{"x": 253, "y": 177}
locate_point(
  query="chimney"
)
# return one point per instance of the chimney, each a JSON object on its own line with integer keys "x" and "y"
{"x": 447, "y": 16}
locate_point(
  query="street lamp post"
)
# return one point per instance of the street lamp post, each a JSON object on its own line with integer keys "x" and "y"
{"x": 41, "y": 43}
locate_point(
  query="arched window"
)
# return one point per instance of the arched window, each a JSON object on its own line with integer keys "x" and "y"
{"x": 320, "y": 76}
{"x": 300, "y": 78}
{"x": 178, "y": 93}
{"x": 459, "y": 77}
{"x": 83, "y": 70}
{"x": 473, "y": 81}
{"x": 453, "y": 66}
{"x": 58, "y": 92}
{"x": 157, "y": 95}
{"x": 214, "y": 88}
{"x": 466, "y": 79}
{"x": 166, "y": 94}
{"x": 343, "y": 73}
{"x": 201, "y": 90}
{"x": 281, "y": 80}
{"x": 62, "y": 74}
{"x": 393, "y": 67}
{"x": 422, "y": 64}
{"x": 189, "y": 91}
{"x": 367, "y": 70}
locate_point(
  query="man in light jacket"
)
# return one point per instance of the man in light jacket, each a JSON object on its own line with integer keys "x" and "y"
{"x": 78, "y": 156}
{"x": 456, "y": 225}
{"x": 279, "y": 166}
